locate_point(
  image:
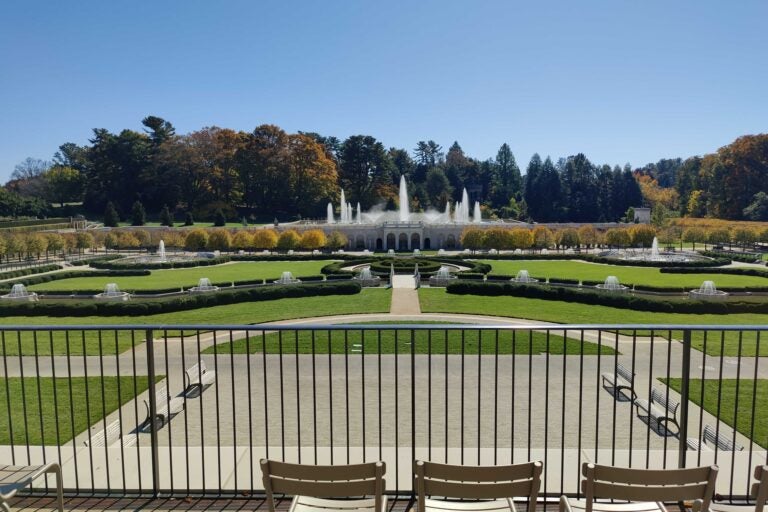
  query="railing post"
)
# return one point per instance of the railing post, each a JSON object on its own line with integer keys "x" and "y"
{"x": 153, "y": 413}
{"x": 684, "y": 392}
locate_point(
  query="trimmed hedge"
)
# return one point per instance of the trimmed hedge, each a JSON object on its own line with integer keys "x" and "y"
{"x": 185, "y": 302}
{"x": 47, "y": 278}
{"x": 246, "y": 282}
{"x": 615, "y": 300}
{"x": 87, "y": 261}
{"x": 730, "y": 270}
{"x": 202, "y": 262}
{"x": 717, "y": 261}
{"x": 29, "y": 271}
{"x": 735, "y": 256}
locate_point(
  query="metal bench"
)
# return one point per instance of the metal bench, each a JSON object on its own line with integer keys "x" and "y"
{"x": 197, "y": 378}
{"x": 110, "y": 435}
{"x": 661, "y": 408}
{"x": 15, "y": 478}
{"x": 620, "y": 379}
{"x": 165, "y": 408}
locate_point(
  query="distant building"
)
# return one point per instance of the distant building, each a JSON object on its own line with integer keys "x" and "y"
{"x": 642, "y": 215}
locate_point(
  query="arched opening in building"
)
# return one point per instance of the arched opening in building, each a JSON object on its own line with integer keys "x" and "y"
{"x": 391, "y": 241}
{"x": 450, "y": 242}
{"x": 360, "y": 242}
{"x": 415, "y": 241}
{"x": 427, "y": 244}
{"x": 402, "y": 242}
{"x": 379, "y": 244}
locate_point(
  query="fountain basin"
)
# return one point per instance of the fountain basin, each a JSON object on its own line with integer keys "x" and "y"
{"x": 287, "y": 278}
{"x": 19, "y": 293}
{"x": 204, "y": 286}
{"x": 442, "y": 278}
{"x": 112, "y": 292}
{"x": 367, "y": 279}
{"x": 612, "y": 284}
{"x": 707, "y": 291}
{"x": 523, "y": 277}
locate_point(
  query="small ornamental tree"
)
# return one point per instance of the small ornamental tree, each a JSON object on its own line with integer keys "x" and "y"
{"x": 138, "y": 214}
{"x": 188, "y": 220}
{"x": 568, "y": 238}
{"x": 288, "y": 240}
{"x": 197, "y": 239}
{"x": 219, "y": 240}
{"x": 521, "y": 238}
{"x": 242, "y": 240}
{"x": 265, "y": 239}
{"x": 219, "y": 219}
{"x": 642, "y": 235}
{"x": 588, "y": 235}
{"x": 336, "y": 240}
{"x": 472, "y": 238}
{"x": 111, "y": 218}
{"x": 543, "y": 238}
{"x": 313, "y": 239}
{"x": 165, "y": 217}
{"x": 618, "y": 237}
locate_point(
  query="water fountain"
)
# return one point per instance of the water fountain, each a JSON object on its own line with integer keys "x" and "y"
{"x": 112, "y": 292}
{"x": 329, "y": 214}
{"x": 523, "y": 277}
{"x": 442, "y": 277}
{"x": 366, "y": 278}
{"x": 440, "y": 252}
{"x": 287, "y": 278}
{"x": 19, "y": 292}
{"x": 476, "y": 215}
{"x": 404, "y": 209}
{"x": 161, "y": 251}
{"x": 204, "y": 286}
{"x": 612, "y": 284}
{"x": 652, "y": 255}
{"x": 416, "y": 252}
{"x": 707, "y": 291}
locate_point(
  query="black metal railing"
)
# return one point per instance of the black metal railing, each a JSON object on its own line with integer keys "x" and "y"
{"x": 92, "y": 397}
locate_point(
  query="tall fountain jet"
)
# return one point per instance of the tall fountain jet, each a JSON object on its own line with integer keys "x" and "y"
{"x": 359, "y": 215}
{"x": 343, "y": 209}
{"x": 476, "y": 216}
{"x": 330, "y": 214}
{"x": 404, "y": 214}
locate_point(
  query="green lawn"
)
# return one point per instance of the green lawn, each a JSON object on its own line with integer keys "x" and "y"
{"x": 56, "y": 406}
{"x": 726, "y": 388}
{"x": 370, "y": 300}
{"x": 436, "y": 300}
{"x": 387, "y": 341}
{"x": 627, "y": 275}
{"x": 187, "y": 277}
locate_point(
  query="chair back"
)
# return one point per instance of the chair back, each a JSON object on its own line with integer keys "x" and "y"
{"x": 478, "y": 482}
{"x": 694, "y": 484}
{"x": 340, "y": 481}
{"x": 760, "y": 488}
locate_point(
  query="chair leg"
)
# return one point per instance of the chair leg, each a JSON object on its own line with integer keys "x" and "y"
{"x": 59, "y": 488}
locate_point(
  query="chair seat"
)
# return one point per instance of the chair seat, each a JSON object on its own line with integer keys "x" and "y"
{"x": 310, "y": 504}
{"x": 725, "y": 507}
{"x": 504, "y": 504}
{"x": 598, "y": 506}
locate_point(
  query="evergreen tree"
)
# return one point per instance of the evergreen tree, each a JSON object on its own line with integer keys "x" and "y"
{"x": 138, "y": 214}
{"x": 165, "y": 217}
{"x": 507, "y": 181}
{"x": 111, "y": 218}
{"x": 188, "y": 220}
{"x": 219, "y": 219}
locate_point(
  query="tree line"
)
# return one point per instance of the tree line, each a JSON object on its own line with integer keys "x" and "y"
{"x": 269, "y": 173}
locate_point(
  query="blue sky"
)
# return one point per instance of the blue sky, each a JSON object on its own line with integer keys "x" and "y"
{"x": 619, "y": 80}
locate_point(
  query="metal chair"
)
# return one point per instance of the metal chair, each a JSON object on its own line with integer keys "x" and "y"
{"x": 492, "y": 488}
{"x": 759, "y": 493}
{"x": 643, "y": 490}
{"x": 311, "y": 486}
{"x": 14, "y": 478}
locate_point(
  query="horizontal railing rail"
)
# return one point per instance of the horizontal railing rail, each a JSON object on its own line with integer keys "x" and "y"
{"x": 190, "y": 409}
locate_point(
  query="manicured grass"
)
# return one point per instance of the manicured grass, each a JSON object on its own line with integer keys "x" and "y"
{"x": 64, "y": 414}
{"x": 626, "y": 275}
{"x": 188, "y": 277}
{"x": 726, "y": 389}
{"x": 390, "y": 341}
{"x": 436, "y": 300}
{"x": 370, "y": 300}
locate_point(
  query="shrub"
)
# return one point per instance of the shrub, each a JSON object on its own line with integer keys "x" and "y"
{"x": 219, "y": 240}
{"x": 243, "y": 240}
{"x": 337, "y": 240}
{"x": 313, "y": 239}
{"x": 219, "y": 219}
{"x": 188, "y": 220}
{"x": 166, "y": 219}
{"x": 138, "y": 214}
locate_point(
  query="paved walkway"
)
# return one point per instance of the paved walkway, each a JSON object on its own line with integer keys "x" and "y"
{"x": 405, "y": 297}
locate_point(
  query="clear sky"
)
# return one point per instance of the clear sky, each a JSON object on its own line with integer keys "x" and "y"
{"x": 619, "y": 80}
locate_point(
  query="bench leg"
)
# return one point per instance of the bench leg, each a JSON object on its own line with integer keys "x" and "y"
{"x": 59, "y": 488}
{"x": 4, "y": 506}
